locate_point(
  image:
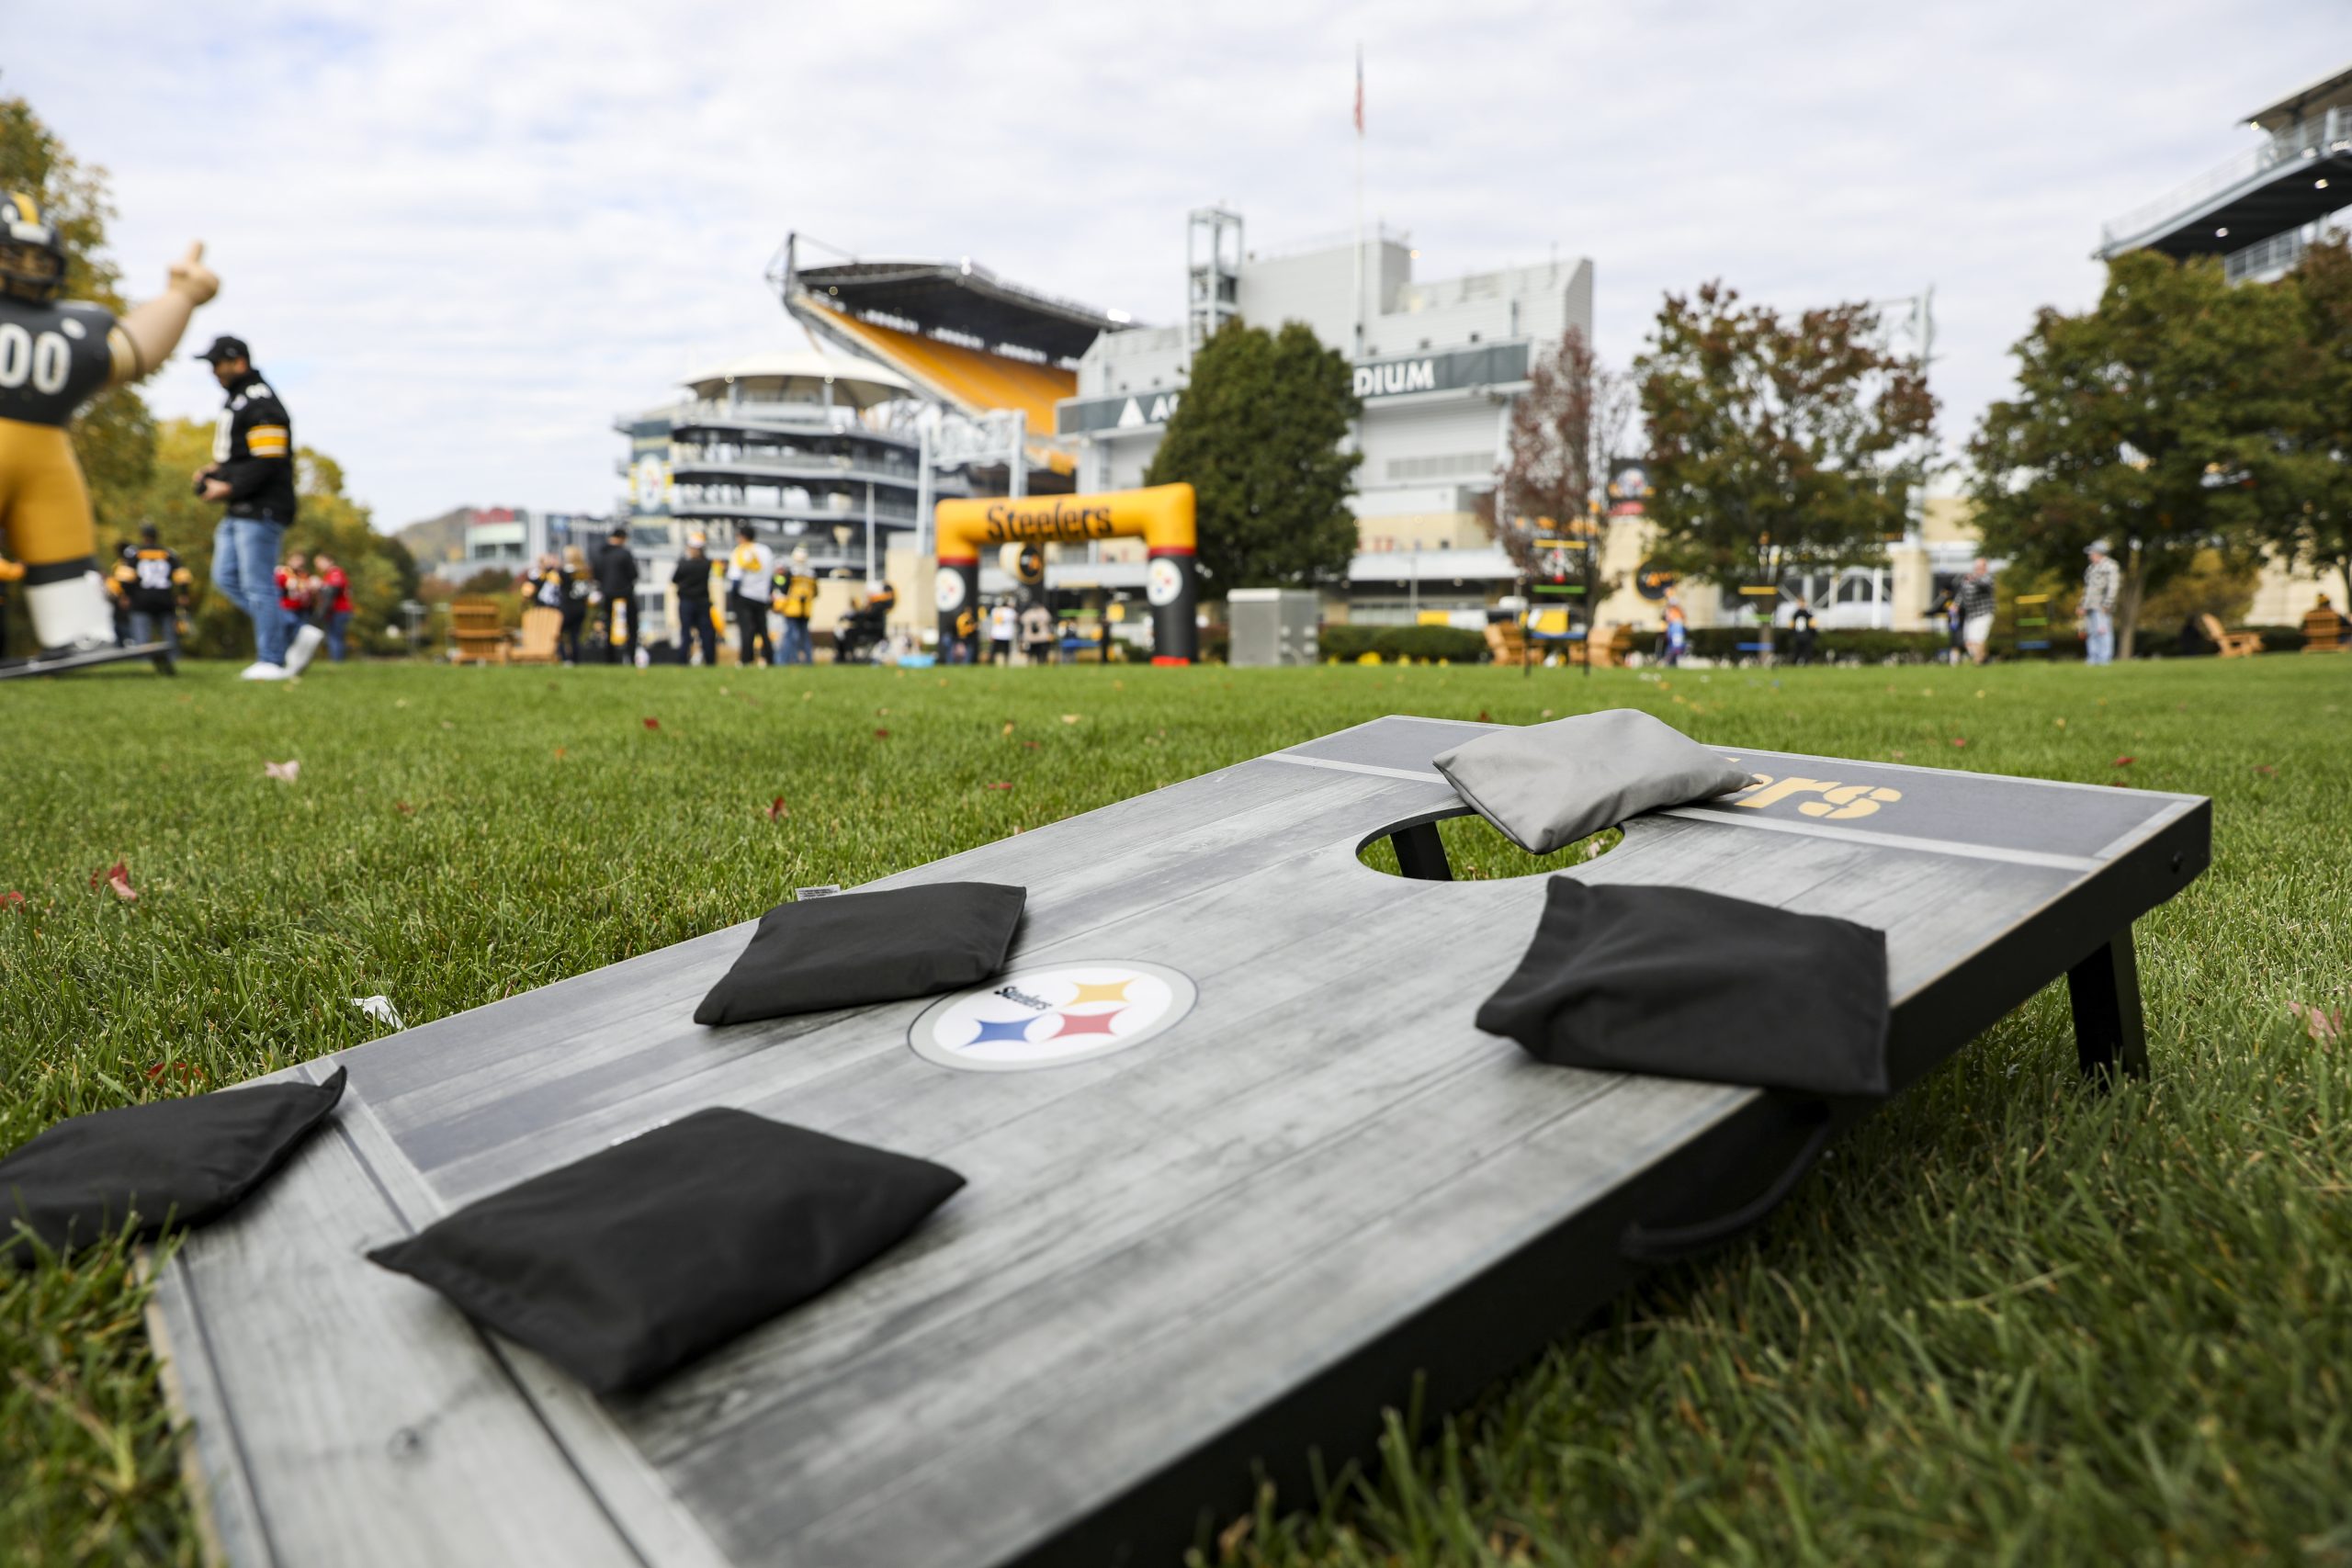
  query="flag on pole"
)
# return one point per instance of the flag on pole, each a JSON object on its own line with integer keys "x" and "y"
{"x": 1358, "y": 89}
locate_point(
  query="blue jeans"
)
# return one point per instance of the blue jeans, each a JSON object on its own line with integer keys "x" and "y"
{"x": 244, "y": 566}
{"x": 796, "y": 642}
{"x": 2098, "y": 634}
{"x": 336, "y": 624}
{"x": 156, "y": 626}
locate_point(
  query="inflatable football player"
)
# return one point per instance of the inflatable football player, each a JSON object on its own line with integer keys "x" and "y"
{"x": 54, "y": 355}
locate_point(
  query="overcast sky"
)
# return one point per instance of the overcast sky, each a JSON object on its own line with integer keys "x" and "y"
{"x": 462, "y": 237}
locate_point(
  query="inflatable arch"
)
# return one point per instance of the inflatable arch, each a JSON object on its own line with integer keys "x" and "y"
{"x": 1160, "y": 515}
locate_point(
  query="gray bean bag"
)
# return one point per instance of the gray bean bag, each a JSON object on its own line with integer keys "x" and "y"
{"x": 1549, "y": 785}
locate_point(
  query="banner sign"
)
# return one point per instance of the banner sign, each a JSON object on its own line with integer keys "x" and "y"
{"x": 1629, "y": 488}
{"x": 1487, "y": 365}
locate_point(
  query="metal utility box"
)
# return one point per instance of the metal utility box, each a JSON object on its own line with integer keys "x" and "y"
{"x": 1274, "y": 626}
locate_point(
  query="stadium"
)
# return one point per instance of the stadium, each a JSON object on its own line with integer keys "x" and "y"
{"x": 940, "y": 378}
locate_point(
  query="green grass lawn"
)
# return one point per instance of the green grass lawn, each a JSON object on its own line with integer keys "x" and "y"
{"x": 2009, "y": 1319}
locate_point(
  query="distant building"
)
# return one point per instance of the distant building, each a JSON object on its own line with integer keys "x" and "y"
{"x": 467, "y": 541}
{"x": 2259, "y": 211}
{"x": 1436, "y": 363}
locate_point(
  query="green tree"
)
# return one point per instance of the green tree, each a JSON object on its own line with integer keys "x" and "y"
{"x": 114, "y": 435}
{"x": 1257, "y": 436}
{"x": 1778, "y": 444}
{"x": 2153, "y": 421}
{"x": 2309, "y": 519}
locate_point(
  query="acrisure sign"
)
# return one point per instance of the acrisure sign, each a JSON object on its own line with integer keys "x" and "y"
{"x": 1491, "y": 364}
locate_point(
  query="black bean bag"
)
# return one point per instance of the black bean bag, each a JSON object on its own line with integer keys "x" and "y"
{"x": 626, "y": 1264}
{"x": 175, "y": 1161}
{"x": 849, "y": 949}
{"x": 1678, "y": 983}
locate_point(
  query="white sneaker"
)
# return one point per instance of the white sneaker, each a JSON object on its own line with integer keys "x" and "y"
{"x": 306, "y": 642}
{"x": 264, "y": 672}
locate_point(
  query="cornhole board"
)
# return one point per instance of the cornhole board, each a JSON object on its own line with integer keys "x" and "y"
{"x": 160, "y": 654}
{"x": 1286, "y": 1185}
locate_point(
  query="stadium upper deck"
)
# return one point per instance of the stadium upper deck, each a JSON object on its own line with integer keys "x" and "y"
{"x": 964, "y": 336}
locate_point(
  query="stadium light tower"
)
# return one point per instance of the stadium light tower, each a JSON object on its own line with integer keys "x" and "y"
{"x": 1211, "y": 273}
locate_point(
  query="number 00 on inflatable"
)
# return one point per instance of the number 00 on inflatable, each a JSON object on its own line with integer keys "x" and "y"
{"x": 1161, "y": 516}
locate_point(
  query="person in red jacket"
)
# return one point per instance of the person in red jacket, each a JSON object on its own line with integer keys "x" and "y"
{"x": 297, "y": 592}
{"x": 334, "y": 607}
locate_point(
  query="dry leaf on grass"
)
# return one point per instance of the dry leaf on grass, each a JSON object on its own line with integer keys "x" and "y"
{"x": 2125, "y": 761}
{"x": 652, "y": 724}
{"x": 1072, "y": 717}
{"x": 881, "y": 735}
{"x": 116, "y": 877}
{"x": 1007, "y": 784}
{"x": 284, "y": 772}
{"x": 2322, "y": 1024}
{"x": 776, "y": 809}
{"x": 12, "y": 900}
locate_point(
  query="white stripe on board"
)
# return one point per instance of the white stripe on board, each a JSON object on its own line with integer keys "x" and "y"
{"x": 1887, "y": 840}
{"x": 1421, "y": 775}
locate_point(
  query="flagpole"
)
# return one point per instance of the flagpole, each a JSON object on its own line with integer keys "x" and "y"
{"x": 1360, "y": 323}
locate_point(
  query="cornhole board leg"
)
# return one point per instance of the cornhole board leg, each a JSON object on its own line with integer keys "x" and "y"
{"x": 2110, "y": 1033}
{"x": 1419, "y": 854}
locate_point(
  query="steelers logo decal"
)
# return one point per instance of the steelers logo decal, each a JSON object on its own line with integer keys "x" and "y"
{"x": 1052, "y": 1015}
{"x": 948, "y": 587}
{"x": 1163, "y": 581}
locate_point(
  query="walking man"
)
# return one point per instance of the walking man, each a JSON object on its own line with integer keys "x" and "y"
{"x": 748, "y": 572}
{"x": 616, "y": 581}
{"x": 157, "y": 592}
{"x": 333, "y": 605}
{"x": 1976, "y": 609}
{"x": 1802, "y": 636}
{"x": 251, "y": 475}
{"x": 796, "y": 601}
{"x": 2100, "y": 580}
{"x": 1001, "y": 626}
{"x": 690, "y": 581}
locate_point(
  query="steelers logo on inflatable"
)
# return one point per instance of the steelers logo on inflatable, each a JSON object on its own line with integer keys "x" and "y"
{"x": 948, "y": 588}
{"x": 1052, "y": 1016}
{"x": 1163, "y": 581}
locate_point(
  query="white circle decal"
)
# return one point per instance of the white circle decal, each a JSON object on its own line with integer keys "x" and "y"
{"x": 1052, "y": 1015}
{"x": 1163, "y": 581}
{"x": 948, "y": 588}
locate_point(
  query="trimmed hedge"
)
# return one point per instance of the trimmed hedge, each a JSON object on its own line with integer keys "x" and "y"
{"x": 1453, "y": 644}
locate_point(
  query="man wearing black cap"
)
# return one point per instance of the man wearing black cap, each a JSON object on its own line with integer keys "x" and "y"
{"x": 252, "y": 473}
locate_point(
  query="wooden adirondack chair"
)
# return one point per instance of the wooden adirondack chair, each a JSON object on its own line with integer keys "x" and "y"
{"x": 2323, "y": 629}
{"x": 537, "y": 643}
{"x": 474, "y": 631}
{"x": 2234, "y": 645}
{"x": 1508, "y": 643}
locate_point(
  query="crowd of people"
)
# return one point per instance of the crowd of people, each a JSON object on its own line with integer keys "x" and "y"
{"x": 768, "y": 597}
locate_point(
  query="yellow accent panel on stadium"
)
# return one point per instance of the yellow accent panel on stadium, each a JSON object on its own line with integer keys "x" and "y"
{"x": 972, "y": 377}
{"x": 1161, "y": 515}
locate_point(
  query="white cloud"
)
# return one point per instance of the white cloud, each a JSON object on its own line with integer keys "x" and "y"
{"x": 462, "y": 237}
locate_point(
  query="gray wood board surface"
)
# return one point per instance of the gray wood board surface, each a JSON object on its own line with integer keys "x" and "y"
{"x": 1153, "y": 1245}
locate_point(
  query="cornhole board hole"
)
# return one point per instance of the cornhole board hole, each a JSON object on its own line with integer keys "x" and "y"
{"x": 1242, "y": 1172}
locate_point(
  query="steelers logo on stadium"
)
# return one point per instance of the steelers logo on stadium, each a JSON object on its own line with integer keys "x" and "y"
{"x": 1052, "y": 1016}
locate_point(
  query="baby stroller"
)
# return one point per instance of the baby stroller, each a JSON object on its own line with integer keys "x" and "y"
{"x": 858, "y": 635}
